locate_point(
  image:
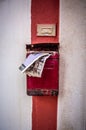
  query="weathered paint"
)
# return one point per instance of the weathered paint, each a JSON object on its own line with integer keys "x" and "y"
{"x": 72, "y": 89}
{"x": 44, "y": 12}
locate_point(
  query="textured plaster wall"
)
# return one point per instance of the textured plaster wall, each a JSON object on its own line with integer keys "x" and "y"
{"x": 15, "y": 32}
{"x": 72, "y": 91}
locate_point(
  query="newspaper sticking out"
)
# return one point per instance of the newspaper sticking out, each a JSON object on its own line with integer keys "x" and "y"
{"x": 36, "y": 68}
{"x": 34, "y": 64}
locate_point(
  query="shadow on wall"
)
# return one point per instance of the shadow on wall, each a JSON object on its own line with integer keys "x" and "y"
{"x": 62, "y": 70}
{"x": 84, "y": 93}
{"x": 2, "y": 0}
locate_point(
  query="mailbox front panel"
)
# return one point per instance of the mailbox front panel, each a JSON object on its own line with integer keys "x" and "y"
{"x": 48, "y": 83}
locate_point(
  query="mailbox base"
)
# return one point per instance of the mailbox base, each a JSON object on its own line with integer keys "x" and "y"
{"x": 40, "y": 92}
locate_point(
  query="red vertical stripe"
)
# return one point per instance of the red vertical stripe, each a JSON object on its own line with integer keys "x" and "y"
{"x": 44, "y": 12}
{"x": 44, "y": 108}
{"x": 44, "y": 113}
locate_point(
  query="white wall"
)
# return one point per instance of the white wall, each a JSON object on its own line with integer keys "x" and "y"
{"x": 15, "y": 105}
{"x": 72, "y": 93}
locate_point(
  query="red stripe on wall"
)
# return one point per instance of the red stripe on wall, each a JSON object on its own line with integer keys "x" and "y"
{"x": 44, "y": 12}
{"x": 44, "y": 113}
{"x": 44, "y": 108}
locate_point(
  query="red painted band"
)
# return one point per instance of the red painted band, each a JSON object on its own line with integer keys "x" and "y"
{"x": 44, "y": 116}
{"x": 44, "y": 108}
{"x": 44, "y": 12}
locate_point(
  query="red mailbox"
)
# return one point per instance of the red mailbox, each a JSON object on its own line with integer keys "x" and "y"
{"x": 48, "y": 83}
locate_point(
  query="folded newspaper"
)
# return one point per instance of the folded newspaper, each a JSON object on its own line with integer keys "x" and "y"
{"x": 34, "y": 64}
